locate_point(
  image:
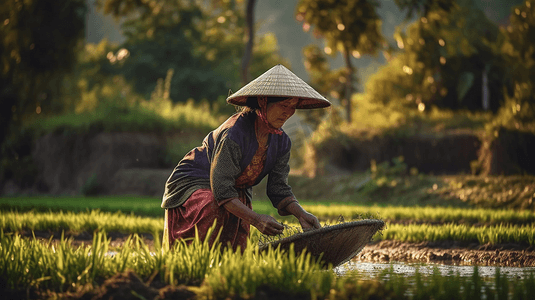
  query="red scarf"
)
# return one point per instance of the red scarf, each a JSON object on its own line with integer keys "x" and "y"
{"x": 262, "y": 113}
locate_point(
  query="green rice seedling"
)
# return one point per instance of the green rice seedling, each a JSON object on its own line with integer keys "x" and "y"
{"x": 324, "y": 210}
{"x": 274, "y": 271}
{"x": 118, "y": 222}
{"x": 26, "y": 263}
{"x": 190, "y": 260}
{"x": 31, "y": 263}
{"x": 425, "y": 214}
{"x": 79, "y": 222}
{"x": 459, "y": 232}
{"x": 140, "y": 206}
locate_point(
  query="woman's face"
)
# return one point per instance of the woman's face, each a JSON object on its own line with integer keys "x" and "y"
{"x": 279, "y": 112}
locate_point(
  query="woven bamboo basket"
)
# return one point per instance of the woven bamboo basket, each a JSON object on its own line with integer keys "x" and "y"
{"x": 335, "y": 244}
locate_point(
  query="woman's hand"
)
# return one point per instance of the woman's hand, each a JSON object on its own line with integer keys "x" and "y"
{"x": 267, "y": 225}
{"x": 308, "y": 221}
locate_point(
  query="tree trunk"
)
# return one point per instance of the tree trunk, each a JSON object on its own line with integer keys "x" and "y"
{"x": 349, "y": 84}
{"x": 485, "y": 91}
{"x": 249, "y": 18}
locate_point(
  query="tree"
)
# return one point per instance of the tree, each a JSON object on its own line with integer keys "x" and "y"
{"x": 441, "y": 60}
{"x": 202, "y": 42}
{"x": 351, "y": 27}
{"x": 518, "y": 47}
{"x": 323, "y": 79}
{"x": 38, "y": 45}
{"x": 424, "y": 7}
{"x": 249, "y": 17}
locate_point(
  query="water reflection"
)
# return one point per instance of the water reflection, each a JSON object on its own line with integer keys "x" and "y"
{"x": 409, "y": 270}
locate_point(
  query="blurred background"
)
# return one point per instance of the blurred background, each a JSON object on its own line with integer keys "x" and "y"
{"x": 105, "y": 96}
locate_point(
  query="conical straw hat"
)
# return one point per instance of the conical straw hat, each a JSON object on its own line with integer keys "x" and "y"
{"x": 280, "y": 82}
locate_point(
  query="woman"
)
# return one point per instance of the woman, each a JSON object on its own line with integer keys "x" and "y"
{"x": 214, "y": 182}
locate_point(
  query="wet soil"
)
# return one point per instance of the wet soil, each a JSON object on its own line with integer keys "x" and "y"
{"x": 448, "y": 253}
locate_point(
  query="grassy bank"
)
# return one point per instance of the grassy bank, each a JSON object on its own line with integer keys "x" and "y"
{"x": 61, "y": 269}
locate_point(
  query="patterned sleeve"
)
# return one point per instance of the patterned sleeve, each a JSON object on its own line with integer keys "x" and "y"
{"x": 278, "y": 190}
{"x": 225, "y": 168}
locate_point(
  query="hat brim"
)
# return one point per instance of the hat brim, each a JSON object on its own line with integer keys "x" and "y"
{"x": 280, "y": 82}
{"x": 303, "y": 103}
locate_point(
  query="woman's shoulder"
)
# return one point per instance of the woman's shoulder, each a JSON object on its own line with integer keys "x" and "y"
{"x": 237, "y": 127}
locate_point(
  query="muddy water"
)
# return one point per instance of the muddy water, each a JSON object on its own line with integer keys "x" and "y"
{"x": 409, "y": 270}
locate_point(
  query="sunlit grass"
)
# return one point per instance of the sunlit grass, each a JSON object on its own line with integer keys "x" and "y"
{"x": 80, "y": 222}
{"x": 140, "y": 206}
{"x": 325, "y": 210}
{"x": 423, "y": 214}
{"x": 74, "y": 223}
{"x": 498, "y": 234}
{"x": 139, "y": 119}
{"x": 211, "y": 273}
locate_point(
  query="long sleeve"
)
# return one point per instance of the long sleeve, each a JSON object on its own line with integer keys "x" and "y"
{"x": 278, "y": 190}
{"x": 225, "y": 168}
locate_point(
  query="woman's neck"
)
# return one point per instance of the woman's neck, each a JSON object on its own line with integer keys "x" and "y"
{"x": 262, "y": 131}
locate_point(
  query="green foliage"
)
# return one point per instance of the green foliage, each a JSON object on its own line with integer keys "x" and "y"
{"x": 201, "y": 41}
{"x": 397, "y": 117}
{"x": 37, "y": 49}
{"x": 324, "y": 80}
{"x": 518, "y": 48}
{"x": 440, "y": 60}
{"x": 518, "y": 44}
{"x": 350, "y": 27}
{"x": 38, "y": 44}
{"x": 114, "y": 107}
{"x": 423, "y": 7}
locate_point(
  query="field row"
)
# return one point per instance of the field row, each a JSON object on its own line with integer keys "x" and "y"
{"x": 118, "y": 222}
{"x": 326, "y": 211}
{"x": 425, "y": 214}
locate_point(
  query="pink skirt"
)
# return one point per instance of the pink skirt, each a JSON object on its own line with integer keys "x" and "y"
{"x": 201, "y": 210}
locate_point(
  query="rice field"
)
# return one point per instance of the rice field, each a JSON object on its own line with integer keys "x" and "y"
{"x": 212, "y": 274}
{"x": 63, "y": 267}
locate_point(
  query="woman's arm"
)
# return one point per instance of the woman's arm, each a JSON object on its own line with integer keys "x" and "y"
{"x": 307, "y": 220}
{"x": 264, "y": 223}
